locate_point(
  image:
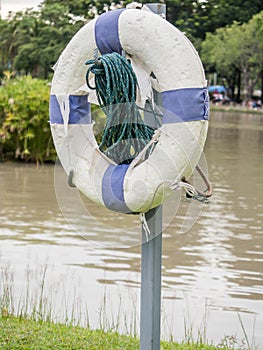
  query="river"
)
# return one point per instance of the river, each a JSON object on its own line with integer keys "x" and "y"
{"x": 212, "y": 274}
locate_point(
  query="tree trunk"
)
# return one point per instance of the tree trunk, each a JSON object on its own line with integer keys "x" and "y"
{"x": 238, "y": 98}
{"x": 248, "y": 86}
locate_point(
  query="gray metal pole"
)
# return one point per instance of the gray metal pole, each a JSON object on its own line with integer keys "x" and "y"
{"x": 151, "y": 263}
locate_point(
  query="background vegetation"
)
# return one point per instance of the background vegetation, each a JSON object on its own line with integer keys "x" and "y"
{"x": 24, "y": 128}
{"x": 227, "y": 33}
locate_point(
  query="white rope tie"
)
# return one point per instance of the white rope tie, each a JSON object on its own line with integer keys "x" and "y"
{"x": 190, "y": 189}
{"x": 141, "y": 156}
{"x": 145, "y": 226}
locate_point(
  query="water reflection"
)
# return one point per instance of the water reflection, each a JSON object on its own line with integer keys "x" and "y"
{"x": 216, "y": 265}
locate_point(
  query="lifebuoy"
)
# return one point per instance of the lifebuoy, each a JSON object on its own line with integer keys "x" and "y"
{"x": 163, "y": 59}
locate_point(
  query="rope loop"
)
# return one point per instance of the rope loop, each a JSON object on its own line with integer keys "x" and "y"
{"x": 125, "y": 134}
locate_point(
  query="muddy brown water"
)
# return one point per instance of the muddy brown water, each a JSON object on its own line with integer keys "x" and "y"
{"x": 212, "y": 275}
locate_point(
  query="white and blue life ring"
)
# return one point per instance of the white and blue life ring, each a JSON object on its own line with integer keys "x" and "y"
{"x": 163, "y": 59}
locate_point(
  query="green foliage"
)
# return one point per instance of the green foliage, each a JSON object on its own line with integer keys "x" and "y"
{"x": 24, "y": 128}
{"x": 19, "y": 333}
{"x": 87, "y": 8}
{"x": 31, "y": 42}
{"x": 225, "y": 12}
{"x": 237, "y": 48}
{"x": 194, "y": 17}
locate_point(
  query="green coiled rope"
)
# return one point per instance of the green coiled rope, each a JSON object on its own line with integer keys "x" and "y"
{"x": 125, "y": 133}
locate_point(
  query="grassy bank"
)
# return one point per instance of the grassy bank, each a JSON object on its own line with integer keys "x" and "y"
{"x": 237, "y": 109}
{"x": 21, "y": 333}
{"x": 33, "y": 323}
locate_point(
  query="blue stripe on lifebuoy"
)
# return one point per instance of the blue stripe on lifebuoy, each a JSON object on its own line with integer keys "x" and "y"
{"x": 184, "y": 105}
{"x": 79, "y": 110}
{"x": 112, "y": 188}
{"x": 107, "y": 32}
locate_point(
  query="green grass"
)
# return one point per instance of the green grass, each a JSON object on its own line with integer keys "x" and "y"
{"x": 33, "y": 324}
{"x": 21, "y": 333}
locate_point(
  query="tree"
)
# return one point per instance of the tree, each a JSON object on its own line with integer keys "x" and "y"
{"x": 194, "y": 17}
{"x": 8, "y": 48}
{"x": 255, "y": 31}
{"x": 225, "y": 12}
{"x": 32, "y": 41}
{"x": 237, "y": 49}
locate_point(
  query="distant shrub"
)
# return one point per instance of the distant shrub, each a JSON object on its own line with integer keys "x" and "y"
{"x": 24, "y": 129}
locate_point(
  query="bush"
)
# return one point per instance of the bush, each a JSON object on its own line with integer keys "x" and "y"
{"x": 24, "y": 129}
